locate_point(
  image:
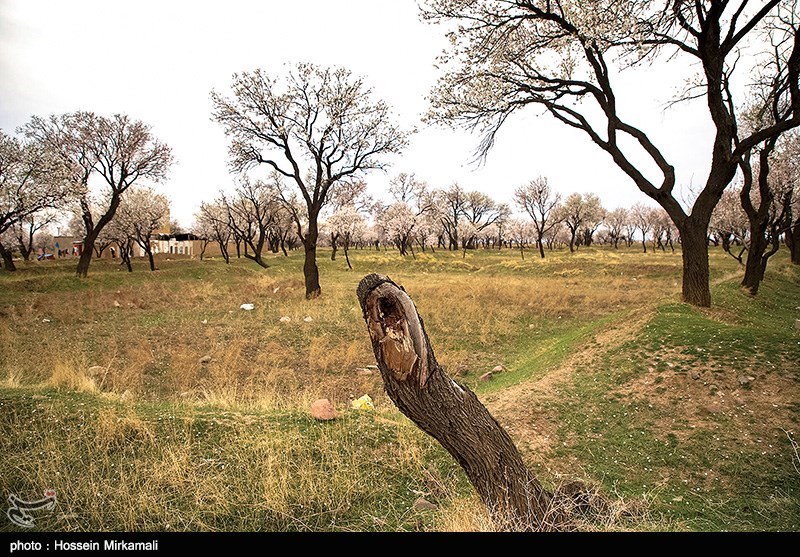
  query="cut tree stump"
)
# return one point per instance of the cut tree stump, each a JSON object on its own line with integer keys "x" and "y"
{"x": 449, "y": 411}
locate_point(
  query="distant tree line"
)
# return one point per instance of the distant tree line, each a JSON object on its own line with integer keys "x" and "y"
{"x": 318, "y": 132}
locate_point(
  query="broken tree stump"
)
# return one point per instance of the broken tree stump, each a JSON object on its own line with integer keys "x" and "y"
{"x": 449, "y": 411}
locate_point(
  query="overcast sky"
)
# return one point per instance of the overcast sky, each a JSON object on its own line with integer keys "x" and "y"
{"x": 158, "y": 60}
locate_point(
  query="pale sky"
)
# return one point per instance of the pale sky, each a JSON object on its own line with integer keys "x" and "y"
{"x": 158, "y": 60}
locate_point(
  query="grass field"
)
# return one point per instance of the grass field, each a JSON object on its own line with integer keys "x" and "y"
{"x": 683, "y": 418}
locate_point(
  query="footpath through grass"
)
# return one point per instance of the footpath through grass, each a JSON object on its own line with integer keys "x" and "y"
{"x": 698, "y": 412}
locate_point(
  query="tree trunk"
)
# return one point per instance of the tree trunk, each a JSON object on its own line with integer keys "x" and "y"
{"x": 150, "y": 259}
{"x": 256, "y": 256}
{"x": 283, "y": 246}
{"x": 223, "y": 249}
{"x": 334, "y": 246}
{"x": 696, "y": 289}
{"x": 25, "y": 251}
{"x": 125, "y": 255}
{"x": 448, "y": 411}
{"x": 86, "y": 255}
{"x": 310, "y": 269}
{"x": 347, "y": 255}
{"x": 793, "y": 241}
{"x": 8, "y": 261}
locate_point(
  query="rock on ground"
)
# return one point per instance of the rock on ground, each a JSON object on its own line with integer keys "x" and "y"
{"x": 486, "y": 376}
{"x": 422, "y": 504}
{"x": 745, "y": 380}
{"x": 322, "y": 409}
{"x": 205, "y": 360}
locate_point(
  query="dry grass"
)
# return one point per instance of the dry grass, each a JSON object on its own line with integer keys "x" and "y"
{"x": 161, "y": 441}
{"x": 116, "y": 468}
{"x": 465, "y": 514}
{"x": 151, "y": 329}
{"x": 73, "y": 376}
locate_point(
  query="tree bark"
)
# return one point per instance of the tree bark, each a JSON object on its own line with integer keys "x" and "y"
{"x": 793, "y": 242}
{"x": 255, "y": 257}
{"x": 696, "y": 289}
{"x": 791, "y": 235}
{"x": 310, "y": 269}
{"x": 346, "y": 248}
{"x": 347, "y": 257}
{"x": 448, "y": 411}
{"x": 223, "y": 249}
{"x": 334, "y": 246}
{"x": 150, "y": 259}
{"x": 752, "y": 267}
{"x": 283, "y": 244}
{"x": 8, "y": 261}
{"x": 86, "y": 255}
{"x": 125, "y": 255}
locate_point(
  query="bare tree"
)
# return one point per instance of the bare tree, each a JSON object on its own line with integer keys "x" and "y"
{"x": 729, "y": 224}
{"x": 252, "y": 211}
{"x": 642, "y": 215}
{"x": 120, "y": 232}
{"x": 25, "y": 231}
{"x": 540, "y": 202}
{"x": 204, "y": 232}
{"x": 615, "y": 222}
{"x": 662, "y": 230}
{"x": 630, "y": 228}
{"x": 450, "y": 207}
{"x": 211, "y": 223}
{"x": 398, "y": 221}
{"x": 315, "y": 127}
{"x": 32, "y": 179}
{"x": 347, "y": 195}
{"x": 521, "y": 231}
{"x": 347, "y": 224}
{"x": 578, "y": 210}
{"x": 144, "y": 211}
{"x": 502, "y": 60}
{"x": 406, "y": 187}
{"x": 769, "y": 207}
{"x": 122, "y": 151}
{"x": 480, "y": 212}
{"x": 594, "y": 219}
